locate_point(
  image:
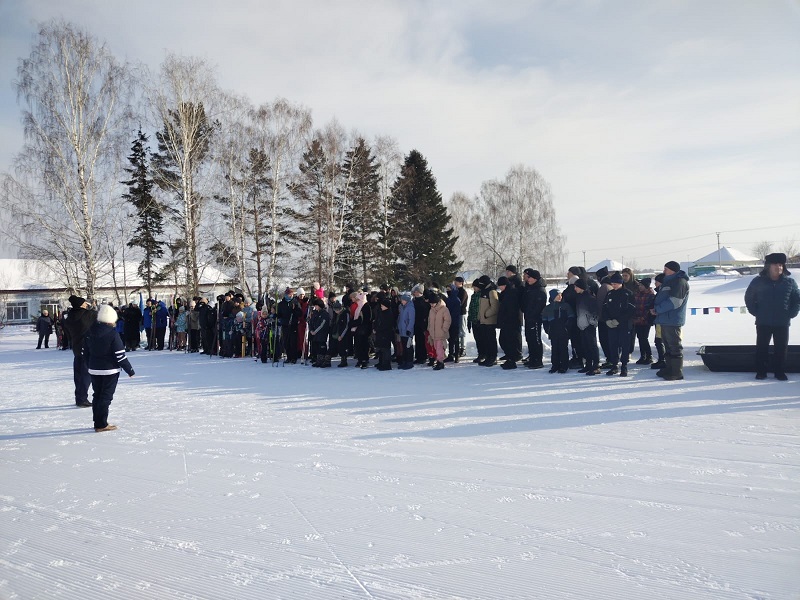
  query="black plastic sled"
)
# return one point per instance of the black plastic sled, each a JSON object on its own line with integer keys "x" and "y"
{"x": 742, "y": 359}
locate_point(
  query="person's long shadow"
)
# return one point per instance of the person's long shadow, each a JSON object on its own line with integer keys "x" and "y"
{"x": 44, "y": 434}
{"x": 24, "y": 409}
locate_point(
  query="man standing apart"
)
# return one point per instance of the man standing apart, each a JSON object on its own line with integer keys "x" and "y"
{"x": 773, "y": 298}
{"x": 80, "y": 319}
{"x": 670, "y": 311}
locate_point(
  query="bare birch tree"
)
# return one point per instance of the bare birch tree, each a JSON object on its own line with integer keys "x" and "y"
{"x": 281, "y": 129}
{"x": 183, "y": 100}
{"x": 76, "y": 110}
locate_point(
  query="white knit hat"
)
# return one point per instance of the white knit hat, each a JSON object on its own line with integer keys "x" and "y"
{"x": 106, "y": 314}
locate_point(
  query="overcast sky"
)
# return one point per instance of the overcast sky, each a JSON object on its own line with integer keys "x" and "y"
{"x": 656, "y": 124}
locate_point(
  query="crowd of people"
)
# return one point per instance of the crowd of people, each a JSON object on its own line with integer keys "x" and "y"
{"x": 610, "y": 312}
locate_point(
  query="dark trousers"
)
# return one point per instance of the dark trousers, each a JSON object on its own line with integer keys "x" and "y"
{"x": 420, "y": 353}
{"x": 453, "y": 340}
{"x": 589, "y": 346}
{"x": 642, "y": 334}
{"x": 489, "y": 336}
{"x": 194, "y": 340}
{"x": 384, "y": 357}
{"x": 780, "y": 337}
{"x": 619, "y": 344}
{"x": 361, "y": 347}
{"x": 559, "y": 351}
{"x": 533, "y": 338}
{"x": 511, "y": 342}
{"x": 671, "y": 336}
{"x": 288, "y": 341}
{"x": 602, "y": 335}
{"x": 44, "y": 337}
{"x": 148, "y": 331}
{"x": 131, "y": 338}
{"x": 160, "y": 333}
{"x": 80, "y": 374}
{"x": 575, "y": 341}
{"x": 408, "y": 351}
{"x": 103, "y": 387}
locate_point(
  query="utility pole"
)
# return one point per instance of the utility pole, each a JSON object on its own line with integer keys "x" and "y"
{"x": 584, "y": 258}
{"x": 719, "y": 253}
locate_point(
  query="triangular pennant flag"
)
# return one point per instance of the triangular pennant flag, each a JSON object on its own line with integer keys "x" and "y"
{"x": 730, "y": 309}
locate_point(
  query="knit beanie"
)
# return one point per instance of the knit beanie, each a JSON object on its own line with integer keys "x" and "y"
{"x": 673, "y": 265}
{"x": 106, "y": 314}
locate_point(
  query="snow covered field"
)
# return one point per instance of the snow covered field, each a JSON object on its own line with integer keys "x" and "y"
{"x": 233, "y": 479}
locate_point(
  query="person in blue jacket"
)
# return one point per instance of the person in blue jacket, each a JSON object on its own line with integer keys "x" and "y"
{"x": 670, "y": 311}
{"x": 774, "y": 300}
{"x": 405, "y": 327}
{"x": 105, "y": 356}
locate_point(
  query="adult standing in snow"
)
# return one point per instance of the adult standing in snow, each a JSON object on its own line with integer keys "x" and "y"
{"x": 80, "y": 319}
{"x": 439, "y": 321}
{"x": 774, "y": 300}
{"x": 534, "y": 299}
{"x": 670, "y": 312}
{"x": 421, "y": 310}
{"x": 405, "y": 327}
{"x": 44, "y": 327}
{"x": 132, "y": 317}
{"x": 509, "y": 322}
{"x": 104, "y": 355}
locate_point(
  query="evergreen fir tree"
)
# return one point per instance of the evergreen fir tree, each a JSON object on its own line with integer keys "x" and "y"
{"x": 358, "y": 257}
{"x": 316, "y": 216}
{"x": 150, "y": 223}
{"x": 420, "y": 227}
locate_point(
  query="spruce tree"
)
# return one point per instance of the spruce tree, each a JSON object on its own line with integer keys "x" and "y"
{"x": 420, "y": 228}
{"x": 357, "y": 259}
{"x": 150, "y": 223}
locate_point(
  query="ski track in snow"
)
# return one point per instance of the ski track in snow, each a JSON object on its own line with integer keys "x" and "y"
{"x": 231, "y": 479}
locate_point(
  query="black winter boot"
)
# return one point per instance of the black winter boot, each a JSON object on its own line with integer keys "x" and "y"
{"x": 439, "y": 366}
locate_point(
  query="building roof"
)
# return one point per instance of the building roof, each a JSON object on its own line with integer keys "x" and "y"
{"x": 727, "y": 256}
{"x": 18, "y": 275}
{"x": 611, "y": 265}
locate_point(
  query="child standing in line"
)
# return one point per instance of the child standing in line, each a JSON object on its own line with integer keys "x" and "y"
{"x": 557, "y": 319}
{"x": 105, "y": 355}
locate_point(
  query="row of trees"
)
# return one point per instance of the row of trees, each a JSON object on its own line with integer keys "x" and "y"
{"x": 254, "y": 190}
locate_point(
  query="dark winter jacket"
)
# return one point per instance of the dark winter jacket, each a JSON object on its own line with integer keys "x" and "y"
{"x": 588, "y": 311}
{"x": 463, "y": 296}
{"x": 474, "y": 317}
{"x": 421, "y": 311}
{"x": 454, "y": 306}
{"x": 772, "y": 303}
{"x": 77, "y": 323}
{"x": 619, "y": 307}
{"x": 44, "y": 325}
{"x": 161, "y": 315}
{"x": 508, "y": 314}
{"x": 104, "y": 352}
{"x": 319, "y": 326}
{"x": 288, "y": 313}
{"x": 557, "y": 319}
{"x": 384, "y": 327}
{"x": 341, "y": 324}
{"x": 534, "y": 299}
{"x": 671, "y": 299}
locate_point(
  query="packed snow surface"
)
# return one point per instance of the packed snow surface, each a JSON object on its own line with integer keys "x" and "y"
{"x": 234, "y": 479}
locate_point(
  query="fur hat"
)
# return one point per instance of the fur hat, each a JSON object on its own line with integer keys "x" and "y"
{"x": 107, "y": 314}
{"x": 601, "y": 272}
{"x": 673, "y": 266}
{"x": 502, "y": 281}
{"x": 615, "y": 277}
{"x": 76, "y": 301}
{"x": 776, "y": 258}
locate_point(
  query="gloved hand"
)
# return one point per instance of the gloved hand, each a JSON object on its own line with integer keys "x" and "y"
{"x": 409, "y": 341}
{"x": 612, "y": 323}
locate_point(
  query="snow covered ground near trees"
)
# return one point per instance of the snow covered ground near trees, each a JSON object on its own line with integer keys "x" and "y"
{"x": 233, "y": 479}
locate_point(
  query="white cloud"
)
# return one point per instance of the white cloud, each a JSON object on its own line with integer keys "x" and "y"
{"x": 644, "y": 117}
